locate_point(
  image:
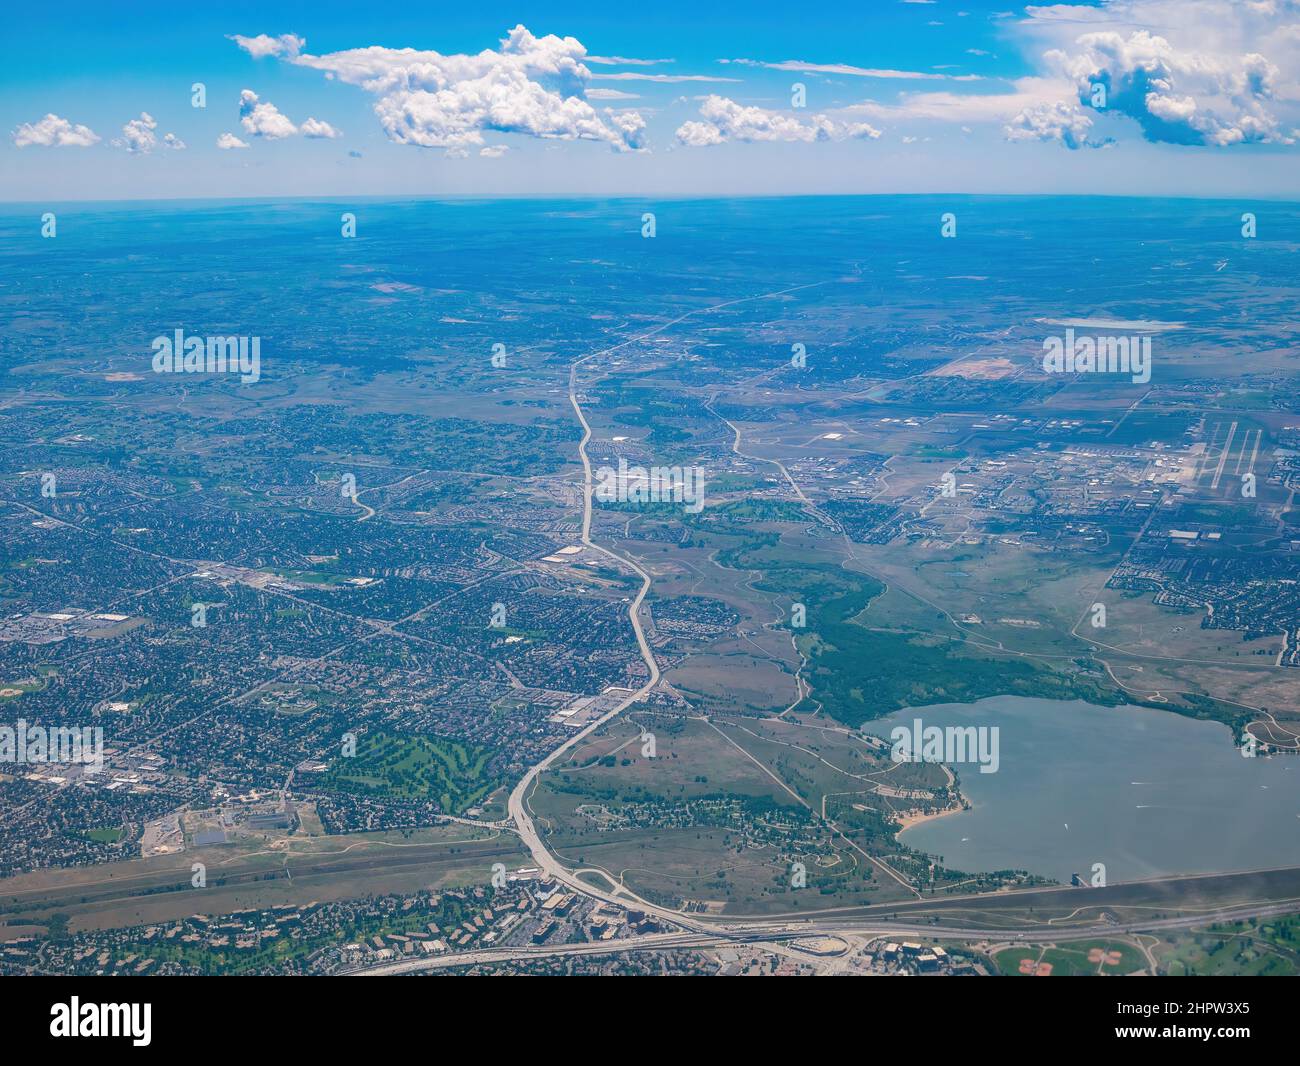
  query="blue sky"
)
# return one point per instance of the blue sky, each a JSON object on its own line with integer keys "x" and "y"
{"x": 1197, "y": 97}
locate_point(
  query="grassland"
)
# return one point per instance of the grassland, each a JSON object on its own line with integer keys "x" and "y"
{"x": 861, "y": 668}
{"x": 704, "y": 823}
{"x": 250, "y": 875}
{"x": 718, "y": 818}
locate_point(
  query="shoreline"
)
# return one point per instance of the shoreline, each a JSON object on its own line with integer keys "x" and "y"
{"x": 905, "y": 822}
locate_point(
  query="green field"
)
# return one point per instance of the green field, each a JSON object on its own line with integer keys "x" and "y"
{"x": 411, "y": 768}
{"x": 103, "y": 836}
{"x": 1258, "y": 948}
{"x": 1086, "y": 958}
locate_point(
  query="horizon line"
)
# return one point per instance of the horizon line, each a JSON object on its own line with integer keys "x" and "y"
{"x": 498, "y": 197}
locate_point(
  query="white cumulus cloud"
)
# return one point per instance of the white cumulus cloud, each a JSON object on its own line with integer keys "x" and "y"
{"x": 262, "y": 118}
{"x": 534, "y": 86}
{"x": 1062, "y": 122}
{"x": 138, "y": 136}
{"x": 261, "y": 46}
{"x": 53, "y": 132}
{"x": 1175, "y": 95}
{"x": 725, "y": 120}
{"x": 630, "y": 125}
{"x": 228, "y": 140}
{"x": 315, "y": 127}
{"x": 1193, "y": 72}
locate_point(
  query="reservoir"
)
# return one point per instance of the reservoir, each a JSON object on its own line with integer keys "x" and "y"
{"x": 1146, "y": 792}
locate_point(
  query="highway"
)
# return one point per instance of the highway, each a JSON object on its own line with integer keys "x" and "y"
{"x": 517, "y": 805}
{"x": 695, "y": 930}
{"x": 784, "y": 937}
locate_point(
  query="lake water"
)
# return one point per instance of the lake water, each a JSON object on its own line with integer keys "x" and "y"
{"x": 1146, "y": 792}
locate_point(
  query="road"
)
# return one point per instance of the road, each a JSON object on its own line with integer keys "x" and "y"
{"x": 784, "y": 937}
{"x": 517, "y": 805}
{"x": 703, "y": 930}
